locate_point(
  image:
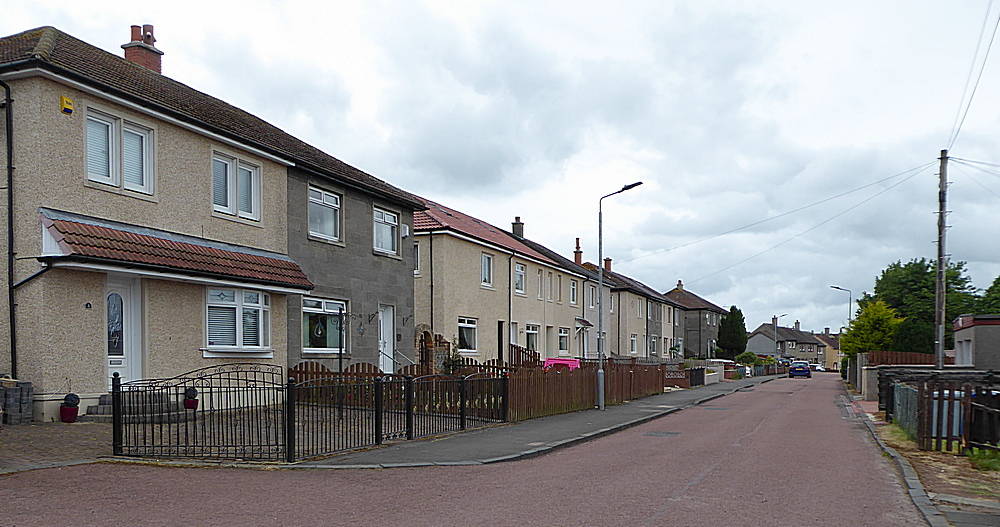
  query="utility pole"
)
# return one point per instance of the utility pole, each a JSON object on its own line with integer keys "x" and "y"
{"x": 940, "y": 284}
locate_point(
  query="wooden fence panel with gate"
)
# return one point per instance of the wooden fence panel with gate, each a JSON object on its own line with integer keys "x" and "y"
{"x": 948, "y": 415}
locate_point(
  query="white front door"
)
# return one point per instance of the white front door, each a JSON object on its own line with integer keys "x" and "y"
{"x": 121, "y": 304}
{"x": 386, "y": 338}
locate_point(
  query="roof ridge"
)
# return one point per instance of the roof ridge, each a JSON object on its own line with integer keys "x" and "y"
{"x": 46, "y": 42}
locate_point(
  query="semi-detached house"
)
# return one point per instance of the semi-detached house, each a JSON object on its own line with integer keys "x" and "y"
{"x": 481, "y": 288}
{"x": 150, "y": 228}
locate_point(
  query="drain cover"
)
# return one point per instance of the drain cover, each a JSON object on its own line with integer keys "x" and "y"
{"x": 661, "y": 434}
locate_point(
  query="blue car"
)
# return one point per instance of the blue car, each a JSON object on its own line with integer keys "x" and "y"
{"x": 799, "y": 368}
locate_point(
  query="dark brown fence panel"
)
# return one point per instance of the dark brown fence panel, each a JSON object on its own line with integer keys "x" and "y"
{"x": 878, "y": 358}
{"x": 982, "y": 417}
{"x": 533, "y": 392}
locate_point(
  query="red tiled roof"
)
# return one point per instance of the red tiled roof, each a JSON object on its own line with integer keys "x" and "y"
{"x": 53, "y": 49}
{"x": 105, "y": 243}
{"x": 438, "y": 216}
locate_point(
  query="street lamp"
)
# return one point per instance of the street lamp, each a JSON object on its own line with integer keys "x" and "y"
{"x": 850, "y": 301}
{"x": 600, "y": 292}
{"x": 775, "y": 318}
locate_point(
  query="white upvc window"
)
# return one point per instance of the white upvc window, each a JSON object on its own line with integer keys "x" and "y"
{"x": 520, "y": 277}
{"x": 591, "y": 296}
{"x": 467, "y": 334}
{"x": 235, "y": 187}
{"x": 541, "y": 286}
{"x": 638, "y": 308}
{"x": 238, "y": 320}
{"x": 611, "y": 303}
{"x": 549, "y": 294}
{"x": 559, "y": 288}
{"x": 321, "y": 325}
{"x": 119, "y": 153}
{"x": 652, "y": 345}
{"x": 386, "y": 226}
{"x": 632, "y": 343}
{"x": 572, "y": 292}
{"x": 416, "y": 258}
{"x": 324, "y": 214}
{"x": 486, "y": 270}
{"x": 531, "y": 336}
{"x": 564, "y": 341}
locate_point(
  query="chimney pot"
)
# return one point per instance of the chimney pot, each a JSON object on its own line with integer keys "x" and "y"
{"x": 147, "y": 34}
{"x": 517, "y": 227}
{"x": 826, "y": 331}
{"x": 578, "y": 254}
{"x": 136, "y": 34}
{"x": 680, "y": 284}
{"x": 796, "y": 325}
{"x": 607, "y": 264}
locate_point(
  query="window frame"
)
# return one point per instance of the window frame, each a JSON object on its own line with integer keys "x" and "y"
{"x": 541, "y": 285}
{"x": 520, "y": 277}
{"x": 473, "y": 323}
{"x": 633, "y": 347}
{"x": 486, "y": 270}
{"x": 322, "y": 202}
{"x": 531, "y": 329}
{"x": 233, "y": 166}
{"x": 592, "y": 292}
{"x": 563, "y": 338}
{"x": 393, "y": 226}
{"x": 548, "y": 294}
{"x": 323, "y": 310}
{"x": 573, "y": 292}
{"x": 239, "y": 304}
{"x": 117, "y": 127}
{"x": 416, "y": 258}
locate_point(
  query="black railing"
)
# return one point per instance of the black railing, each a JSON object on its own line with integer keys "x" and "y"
{"x": 243, "y": 411}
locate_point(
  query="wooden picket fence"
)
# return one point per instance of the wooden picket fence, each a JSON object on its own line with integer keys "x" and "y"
{"x": 534, "y": 392}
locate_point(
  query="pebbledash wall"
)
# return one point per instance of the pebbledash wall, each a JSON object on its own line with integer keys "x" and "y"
{"x": 351, "y": 270}
{"x": 61, "y": 341}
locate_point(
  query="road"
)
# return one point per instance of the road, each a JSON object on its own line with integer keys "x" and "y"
{"x": 781, "y": 454}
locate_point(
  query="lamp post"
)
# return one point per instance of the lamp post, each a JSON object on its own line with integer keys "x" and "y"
{"x": 850, "y": 301}
{"x": 774, "y": 319}
{"x": 600, "y": 292}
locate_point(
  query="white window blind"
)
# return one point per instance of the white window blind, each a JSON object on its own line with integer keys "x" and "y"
{"x": 221, "y": 326}
{"x": 237, "y": 319}
{"x": 220, "y": 183}
{"x": 134, "y": 159}
{"x": 246, "y": 191}
{"x": 99, "y": 150}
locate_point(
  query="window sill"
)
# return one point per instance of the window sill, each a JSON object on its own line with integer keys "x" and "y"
{"x": 468, "y": 352}
{"x": 237, "y": 219}
{"x": 488, "y": 287}
{"x": 229, "y": 353}
{"x": 106, "y": 187}
{"x": 521, "y": 294}
{"x": 387, "y": 254}
{"x": 328, "y": 241}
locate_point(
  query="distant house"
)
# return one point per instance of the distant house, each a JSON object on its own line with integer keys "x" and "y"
{"x": 642, "y": 319}
{"x": 977, "y": 341}
{"x": 792, "y": 343}
{"x": 701, "y": 322}
{"x": 832, "y": 353}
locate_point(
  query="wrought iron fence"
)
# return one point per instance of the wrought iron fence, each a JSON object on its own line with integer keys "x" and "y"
{"x": 244, "y": 411}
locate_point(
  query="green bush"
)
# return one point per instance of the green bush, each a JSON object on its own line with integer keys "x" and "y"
{"x": 747, "y": 357}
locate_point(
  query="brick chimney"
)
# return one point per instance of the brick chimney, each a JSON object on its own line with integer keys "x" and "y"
{"x": 517, "y": 227}
{"x": 607, "y": 264}
{"x": 141, "y": 50}
{"x": 578, "y": 254}
{"x": 680, "y": 285}
{"x": 796, "y": 325}
{"x": 826, "y": 331}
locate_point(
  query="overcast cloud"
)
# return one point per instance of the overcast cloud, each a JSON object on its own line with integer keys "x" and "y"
{"x": 728, "y": 113}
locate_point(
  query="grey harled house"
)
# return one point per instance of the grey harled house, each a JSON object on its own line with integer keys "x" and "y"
{"x": 355, "y": 244}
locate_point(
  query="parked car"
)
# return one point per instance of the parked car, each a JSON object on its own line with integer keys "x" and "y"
{"x": 816, "y": 367}
{"x": 799, "y": 368}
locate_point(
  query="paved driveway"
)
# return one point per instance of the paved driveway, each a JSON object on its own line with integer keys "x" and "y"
{"x": 782, "y": 454}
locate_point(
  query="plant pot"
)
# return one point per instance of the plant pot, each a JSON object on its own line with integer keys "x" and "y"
{"x": 67, "y": 414}
{"x": 191, "y": 404}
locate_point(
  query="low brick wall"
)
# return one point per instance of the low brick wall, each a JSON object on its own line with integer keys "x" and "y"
{"x": 678, "y": 378}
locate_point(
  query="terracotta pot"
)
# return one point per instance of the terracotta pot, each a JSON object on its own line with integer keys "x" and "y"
{"x": 67, "y": 414}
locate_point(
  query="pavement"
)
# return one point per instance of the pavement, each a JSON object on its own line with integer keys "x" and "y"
{"x": 515, "y": 441}
{"x": 782, "y": 453}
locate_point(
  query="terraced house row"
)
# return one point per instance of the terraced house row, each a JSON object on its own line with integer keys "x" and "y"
{"x": 153, "y": 229}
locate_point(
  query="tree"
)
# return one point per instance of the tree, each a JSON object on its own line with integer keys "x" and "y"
{"x": 733, "y": 333}
{"x": 909, "y": 289}
{"x": 989, "y": 303}
{"x": 914, "y": 334}
{"x": 874, "y": 329}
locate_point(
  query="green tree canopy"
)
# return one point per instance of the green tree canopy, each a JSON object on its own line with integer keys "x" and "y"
{"x": 733, "y": 333}
{"x": 874, "y": 329}
{"x": 747, "y": 357}
{"x": 989, "y": 303}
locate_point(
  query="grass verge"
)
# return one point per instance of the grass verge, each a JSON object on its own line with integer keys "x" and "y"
{"x": 985, "y": 460}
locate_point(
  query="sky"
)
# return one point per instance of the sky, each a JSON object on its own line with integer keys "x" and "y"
{"x": 728, "y": 112}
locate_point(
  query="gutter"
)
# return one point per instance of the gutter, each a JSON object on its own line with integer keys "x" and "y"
{"x": 8, "y": 106}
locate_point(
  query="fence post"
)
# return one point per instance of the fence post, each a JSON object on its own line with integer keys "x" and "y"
{"x": 290, "y": 420}
{"x": 116, "y": 417}
{"x": 409, "y": 407}
{"x": 505, "y": 398}
{"x": 461, "y": 402}
{"x": 378, "y": 410}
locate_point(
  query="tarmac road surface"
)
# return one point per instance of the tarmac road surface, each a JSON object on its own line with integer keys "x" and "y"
{"x": 782, "y": 454}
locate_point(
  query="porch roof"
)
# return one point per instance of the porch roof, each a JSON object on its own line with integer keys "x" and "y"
{"x": 84, "y": 238}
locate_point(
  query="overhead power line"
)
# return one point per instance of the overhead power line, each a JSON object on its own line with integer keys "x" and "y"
{"x": 959, "y": 121}
{"x": 814, "y": 227}
{"x": 976, "y": 181}
{"x": 781, "y": 215}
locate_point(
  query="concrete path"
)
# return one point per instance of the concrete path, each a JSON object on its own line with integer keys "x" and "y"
{"x": 783, "y": 454}
{"x": 531, "y": 437}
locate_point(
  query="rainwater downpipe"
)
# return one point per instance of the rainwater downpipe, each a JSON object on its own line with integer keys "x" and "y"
{"x": 510, "y": 307}
{"x": 8, "y": 107}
